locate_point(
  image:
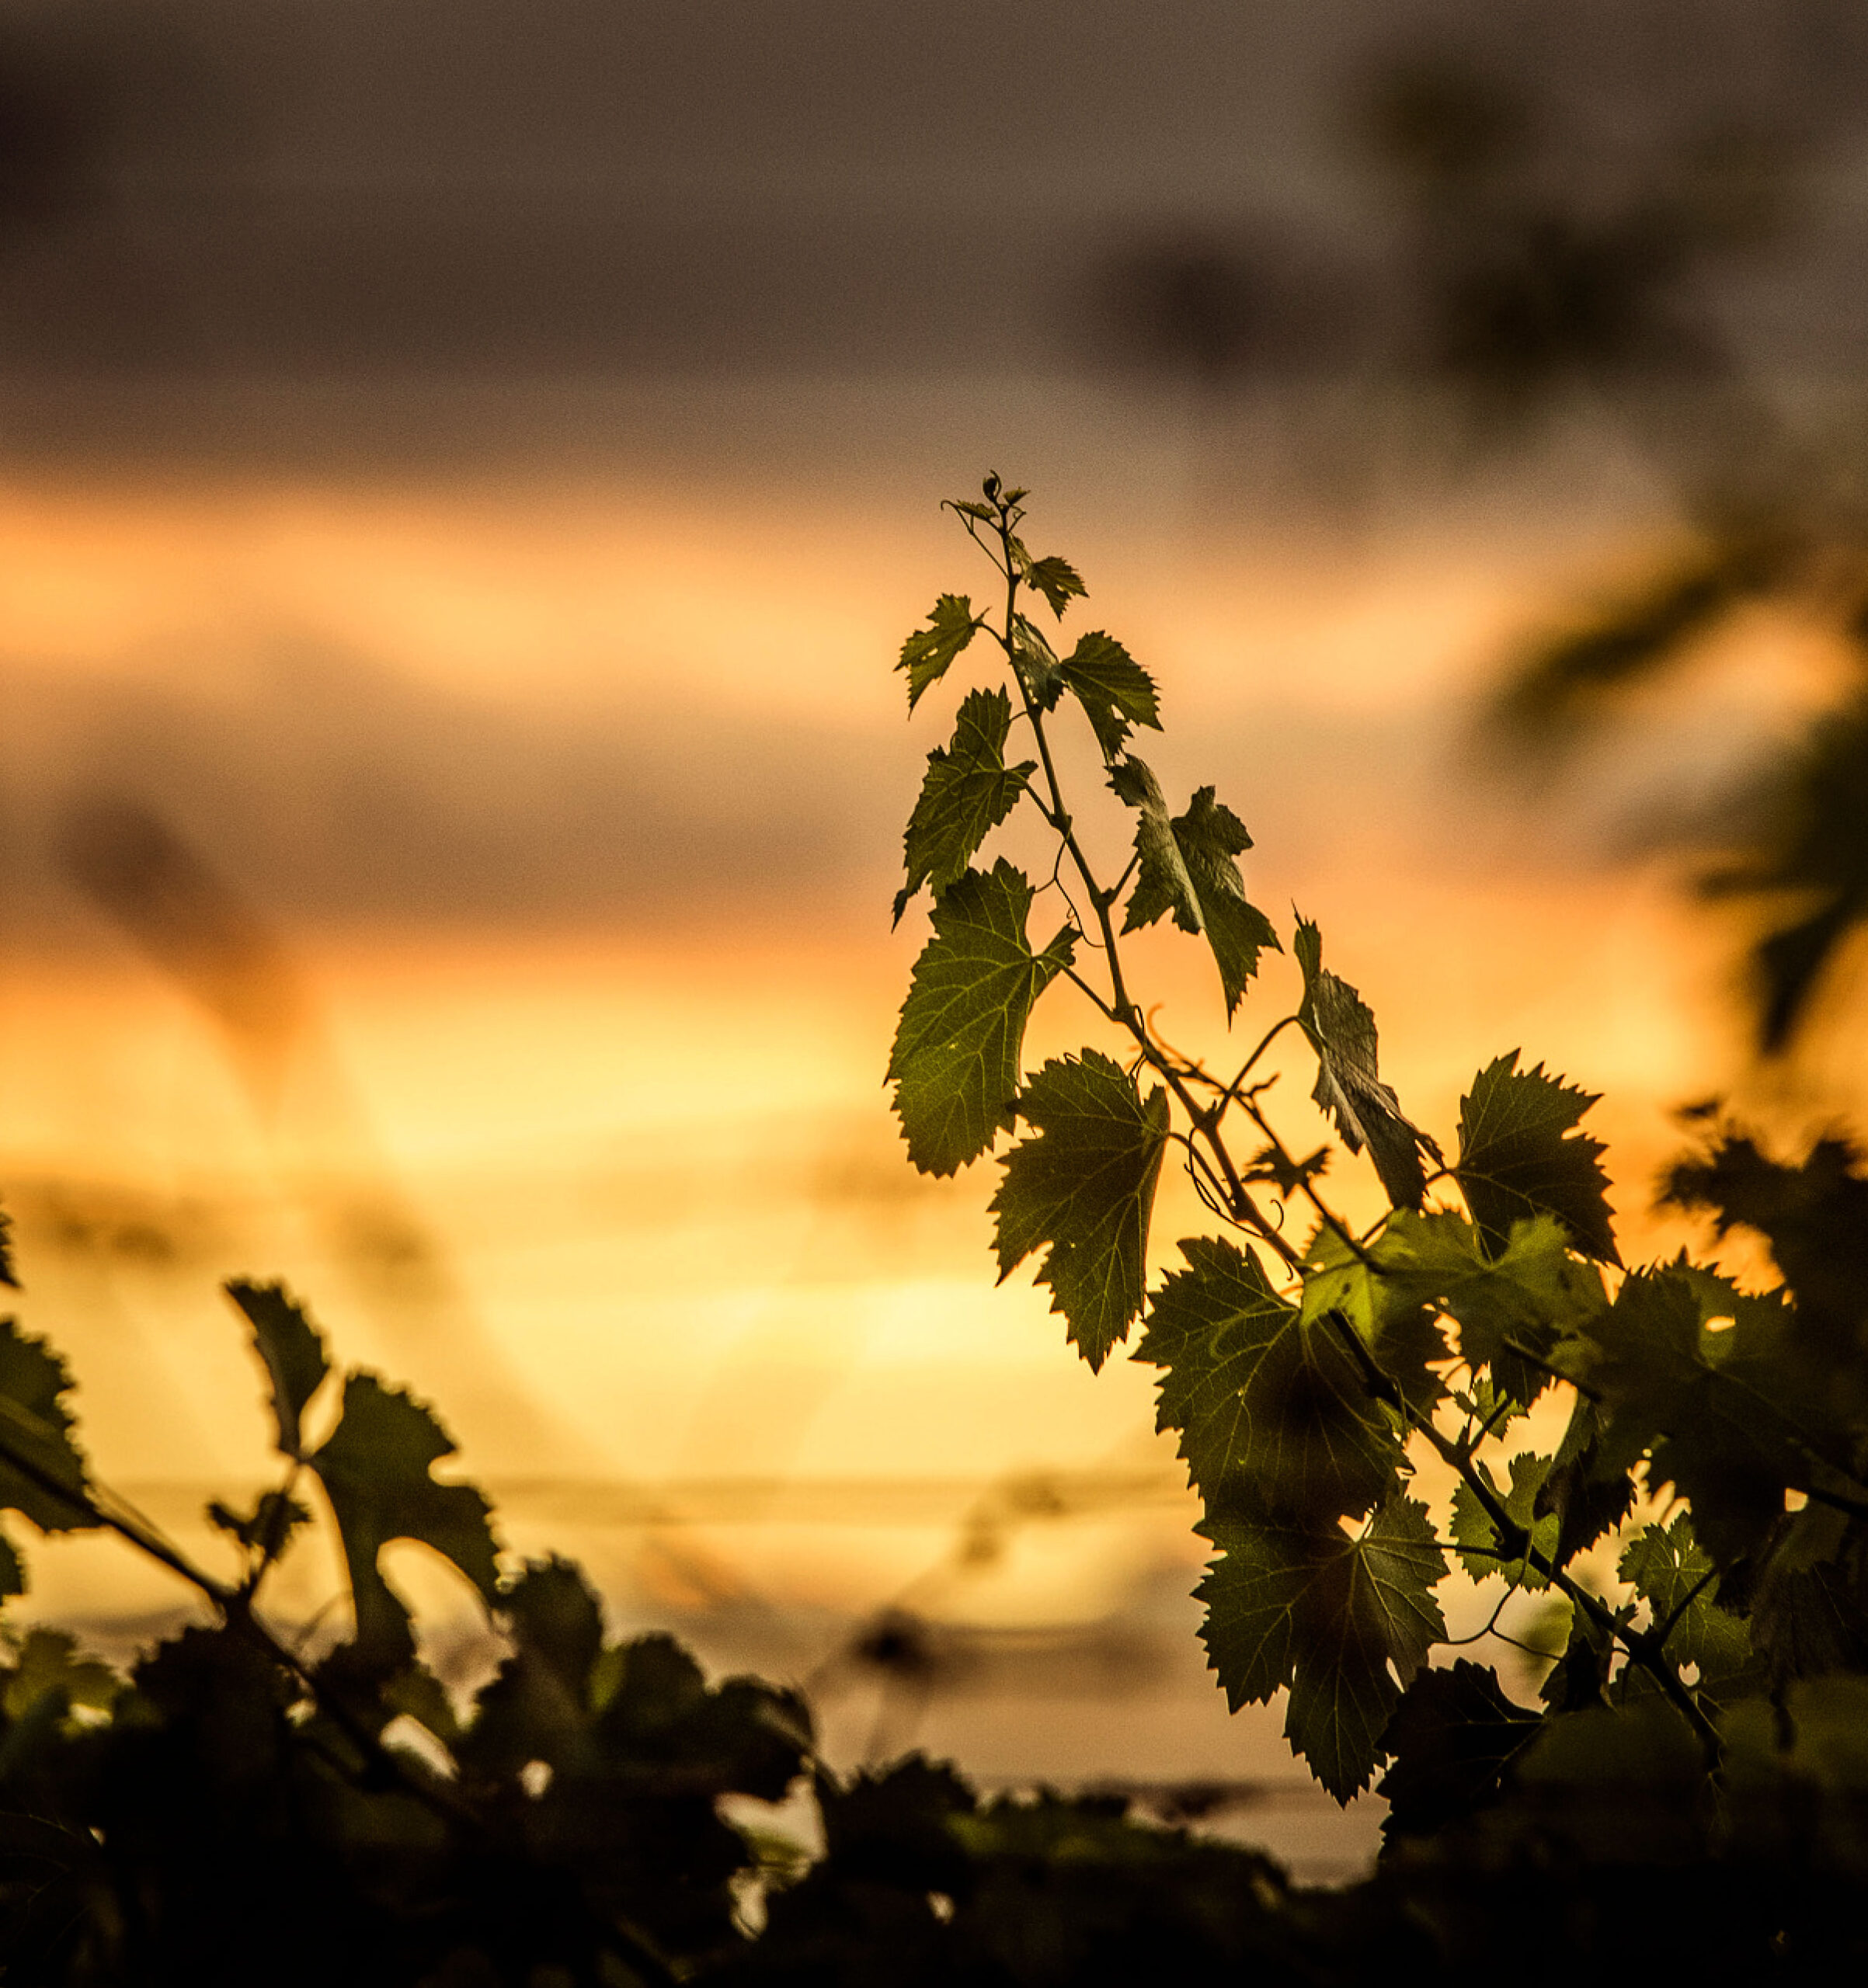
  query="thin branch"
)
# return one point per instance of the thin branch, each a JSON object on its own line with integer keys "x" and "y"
{"x": 1514, "y": 1544}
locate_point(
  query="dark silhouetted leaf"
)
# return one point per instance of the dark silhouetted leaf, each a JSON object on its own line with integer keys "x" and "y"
{"x": 292, "y": 1349}
{"x": 968, "y": 791}
{"x": 1085, "y": 1186}
{"x": 1589, "y": 1492}
{"x": 1670, "y": 1570}
{"x": 1734, "y": 1417}
{"x": 1519, "y": 1156}
{"x": 928, "y": 653}
{"x": 267, "y": 1528}
{"x": 1451, "y": 1738}
{"x": 1814, "y": 1217}
{"x": 377, "y": 1469}
{"x": 42, "y": 1473}
{"x": 955, "y": 1062}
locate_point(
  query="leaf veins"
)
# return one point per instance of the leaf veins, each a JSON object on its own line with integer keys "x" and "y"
{"x": 955, "y": 1062}
{"x": 1085, "y": 1186}
{"x": 1273, "y": 1415}
{"x": 968, "y": 791}
{"x": 1327, "y": 1615}
{"x": 1114, "y": 690}
{"x": 1186, "y": 866}
{"x": 1518, "y": 1156}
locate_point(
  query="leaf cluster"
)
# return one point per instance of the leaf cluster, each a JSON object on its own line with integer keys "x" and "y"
{"x": 1693, "y": 1543}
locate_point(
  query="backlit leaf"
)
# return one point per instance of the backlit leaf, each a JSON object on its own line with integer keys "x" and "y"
{"x": 1476, "y": 1534}
{"x": 1038, "y": 666}
{"x": 1085, "y": 1186}
{"x": 1519, "y": 1155}
{"x": 1349, "y": 1088}
{"x": 1327, "y": 1615}
{"x": 1057, "y": 580}
{"x": 1511, "y": 1309}
{"x": 291, "y": 1349}
{"x": 955, "y": 1062}
{"x": 968, "y": 791}
{"x": 1675, "y": 1574}
{"x": 1186, "y": 866}
{"x": 928, "y": 652}
{"x": 377, "y": 1469}
{"x": 1375, "y": 1293}
{"x": 1274, "y": 1416}
{"x": 1114, "y": 690}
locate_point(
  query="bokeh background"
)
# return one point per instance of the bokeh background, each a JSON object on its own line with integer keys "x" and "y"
{"x": 465, "y": 473}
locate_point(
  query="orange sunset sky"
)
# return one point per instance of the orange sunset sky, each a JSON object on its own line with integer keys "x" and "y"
{"x": 475, "y": 516}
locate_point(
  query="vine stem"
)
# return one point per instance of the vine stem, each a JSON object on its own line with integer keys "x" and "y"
{"x": 1643, "y": 1646}
{"x": 1121, "y": 1007}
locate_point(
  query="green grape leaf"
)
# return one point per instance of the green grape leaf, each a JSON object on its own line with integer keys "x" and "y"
{"x": 1038, "y": 668}
{"x": 12, "y": 1568}
{"x": 1475, "y": 1537}
{"x": 1520, "y": 1155}
{"x": 1511, "y": 1309}
{"x": 376, "y": 1470}
{"x": 1815, "y": 1218}
{"x": 1186, "y": 866}
{"x": 1274, "y": 1417}
{"x": 1733, "y": 1419}
{"x": 291, "y": 1349}
{"x": 1163, "y": 882}
{"x": 1114, "y": 690}
{"x": 1334, "y": 1618}
{"x": 8, "y": 1275}
{"x": 1385, "y": 1310}
{"x": 1589, "y": 1490}
{"x": 968, "y": 791}
{"x": 1451, "y": 1739}
{"x": 1579, "y": 1678}
{"x": 1675, "y": 1575}
{"x": 42, "y": 1471}
{"x": 1057, "y": 580}
{"x": 955, "y": 1062}
{"x": 928, "y": 652}
{"x": 1085, "y": 1186}
{"x": 1349, "y": 1088}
